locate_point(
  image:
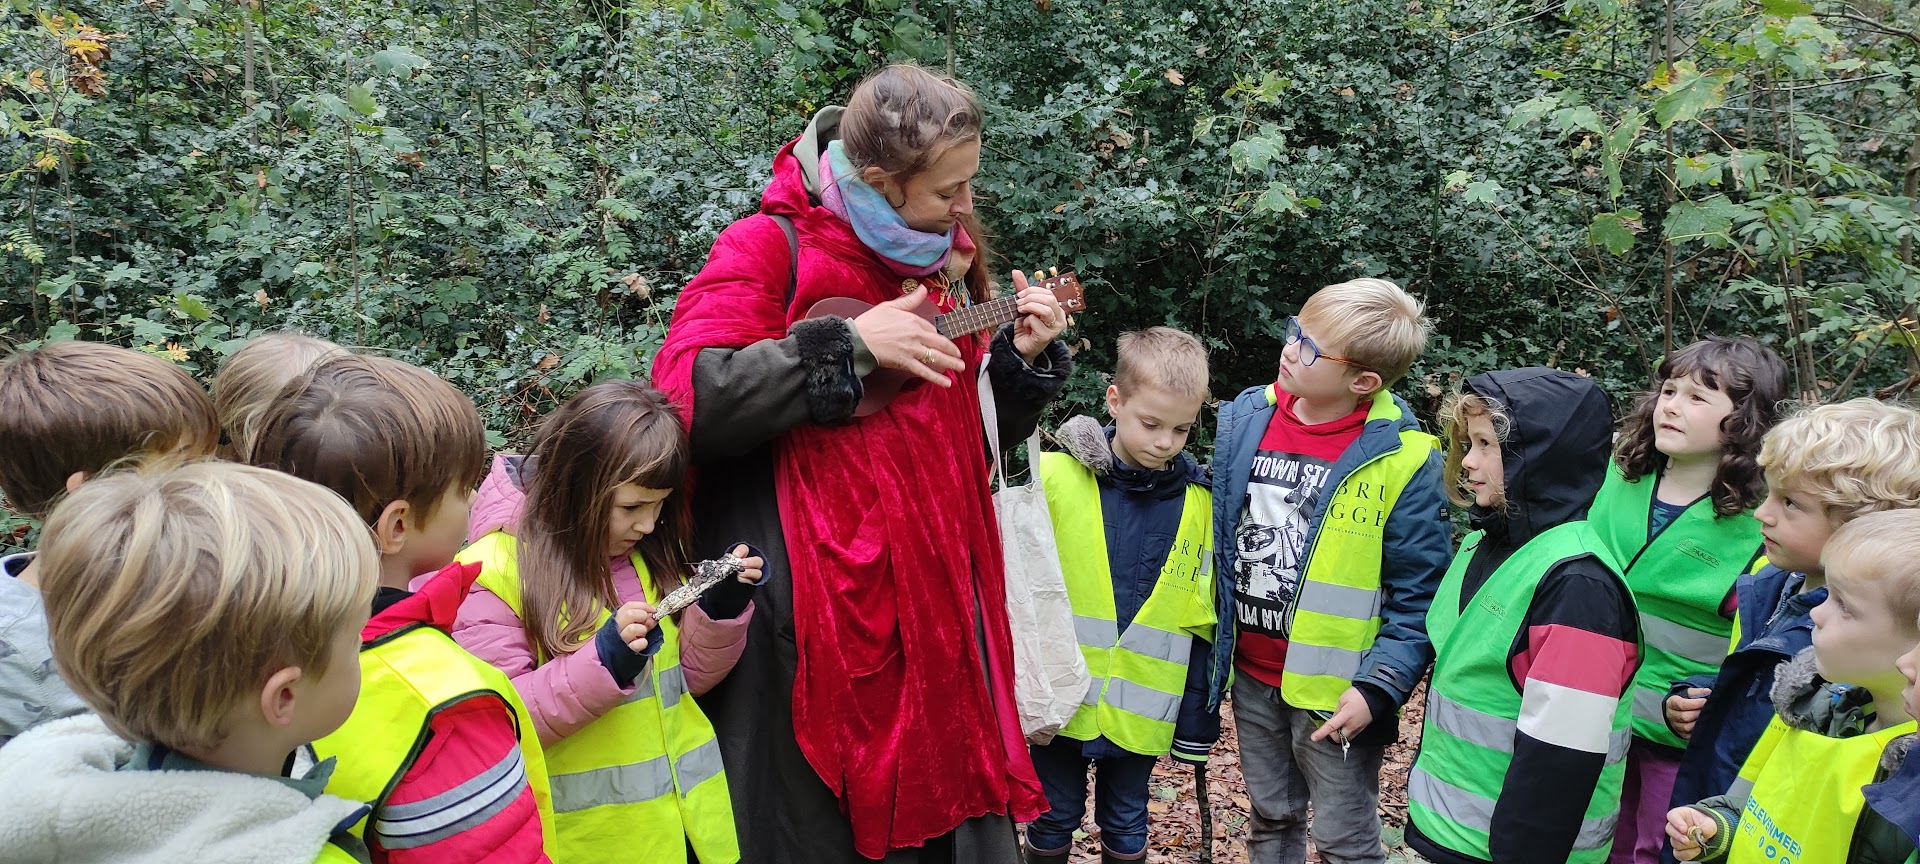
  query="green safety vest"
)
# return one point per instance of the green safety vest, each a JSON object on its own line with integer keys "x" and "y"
{"x": 407, "y": 677}
{"x": 1679, "y": 578}
{"x": 1139, "y": 674}
{"x": 1337, "y": 610}
{"x": 643, "y": 782}
{"x": 1803, "y": 792}
{"x": 1473, "y": 707}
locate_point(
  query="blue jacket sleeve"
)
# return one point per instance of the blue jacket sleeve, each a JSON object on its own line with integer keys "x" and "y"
{"x": 1198, "y": 727}
{"x": 1414, "y": 553}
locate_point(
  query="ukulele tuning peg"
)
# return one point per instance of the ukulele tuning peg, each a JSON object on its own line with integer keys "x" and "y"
{"x": 1056, "y": 271}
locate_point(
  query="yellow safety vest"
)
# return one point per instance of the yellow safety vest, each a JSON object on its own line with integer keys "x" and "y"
{"x": 644, "y": 782}
{"x": 1803, "y": 794}
{"x": 1139, "y": 674}
{"x": 1337, "y": 612}
{"x": 407, "y": 677}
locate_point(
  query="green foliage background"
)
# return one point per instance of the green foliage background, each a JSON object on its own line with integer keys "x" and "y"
{"x": 513, "y": 193}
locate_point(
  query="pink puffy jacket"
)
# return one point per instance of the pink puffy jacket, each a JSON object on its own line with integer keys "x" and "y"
{"x": 569, "y": 692}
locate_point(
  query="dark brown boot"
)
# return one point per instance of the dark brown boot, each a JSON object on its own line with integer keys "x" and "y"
{"x": 1108, "y": 856}
{"x": 1046, "y": 856}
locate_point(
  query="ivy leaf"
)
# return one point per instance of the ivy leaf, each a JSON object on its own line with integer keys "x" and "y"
{"x": 1532, "y": 109}
{"x": 1482, "y": 192}
{"x": 1691, "y": 92}
{"x": 1786, "y": 8}
{"x": 360, "y": 99}
{"x": 398, "y": 62}
{"x": 1578, "y": 117}
{"x": 1614, "y": 231}
{"x": 1708, "y": 219}
{"x": 1257, "y": 152}
{"x": 1704, "y": 169}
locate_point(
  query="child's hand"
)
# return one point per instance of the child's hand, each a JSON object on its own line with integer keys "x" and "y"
{"x": 1684, "y": 711}
{"x": 752, "y": 575}
{"x": 1351, "y": 716}
{"x": 1689, "y": 829}
{"x": 635, "y": 620}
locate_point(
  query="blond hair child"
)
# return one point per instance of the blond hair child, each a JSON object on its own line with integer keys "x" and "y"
{"x": 1799, "y": 794}
{"x": 1825, "y": 467}
{"x": 68, "y": 410}
{"x": 1134, "y": 519}
{"x": 1329, "y": 520}
{"x": 252, "y": 376}
{"x": 210, "y": 614}
{"x": 406, "y": 450}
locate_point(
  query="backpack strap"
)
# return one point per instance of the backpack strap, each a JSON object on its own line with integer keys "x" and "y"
{"x": 793, "y": 253}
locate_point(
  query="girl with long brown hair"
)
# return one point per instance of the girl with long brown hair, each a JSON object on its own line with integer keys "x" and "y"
{"x": 566, "y": 606}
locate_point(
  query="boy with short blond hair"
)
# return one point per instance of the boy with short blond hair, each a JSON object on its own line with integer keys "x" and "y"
{"x": 407, "y": 451}
{"x": 1132, "y": 518}
{"x": 68, "y": 410}
{"x": 1330, "y": 523}
{"x": 1799, "y": 792}
{"x": 210, "y": 614}
{"x": 1825, "y": 467}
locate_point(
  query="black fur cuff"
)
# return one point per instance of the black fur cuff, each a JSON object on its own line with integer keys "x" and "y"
{"x": 826, "y": 352}
{"x": 1015, "y": 381}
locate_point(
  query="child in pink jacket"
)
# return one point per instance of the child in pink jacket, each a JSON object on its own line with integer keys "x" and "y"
{"x": 579, "y": 543}
{"x": 568, "y": 693}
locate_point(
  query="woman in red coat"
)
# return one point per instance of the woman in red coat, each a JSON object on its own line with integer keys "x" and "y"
{"x": 872, "y": 714}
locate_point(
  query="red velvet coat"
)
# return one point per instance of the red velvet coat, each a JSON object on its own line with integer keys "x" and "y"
{"x": 893, "y": 549}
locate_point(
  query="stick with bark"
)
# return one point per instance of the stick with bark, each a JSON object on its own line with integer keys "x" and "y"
{"x": 1206, "y": 813}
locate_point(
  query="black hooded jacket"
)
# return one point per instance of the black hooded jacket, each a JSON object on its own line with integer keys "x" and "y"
{"x": 1554, "y": 458}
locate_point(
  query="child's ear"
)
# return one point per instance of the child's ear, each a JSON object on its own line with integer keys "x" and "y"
{"x": 277, "y": 697}
{"x": 390, "y": 530}
{"x": 1113, "y": 398}
{"x": 1366, "y": 383}
{"x": 75, "y": 479}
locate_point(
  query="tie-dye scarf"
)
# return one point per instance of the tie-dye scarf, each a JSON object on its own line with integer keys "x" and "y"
{"x": 906, "y": 252}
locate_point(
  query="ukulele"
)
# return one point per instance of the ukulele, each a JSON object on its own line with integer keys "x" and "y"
{"x": 881, "y": 385}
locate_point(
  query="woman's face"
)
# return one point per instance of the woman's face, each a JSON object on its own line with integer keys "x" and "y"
{"x": 934, "y": 199}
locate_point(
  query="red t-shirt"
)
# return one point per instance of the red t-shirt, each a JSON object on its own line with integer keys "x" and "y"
{"x": 1283, "y": 491}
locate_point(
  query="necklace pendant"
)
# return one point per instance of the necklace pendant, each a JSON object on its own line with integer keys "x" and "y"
{"x": 908, "y": 285}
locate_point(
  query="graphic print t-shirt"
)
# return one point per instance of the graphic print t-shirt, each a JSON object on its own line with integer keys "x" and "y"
{"x": 1289, "y": 476}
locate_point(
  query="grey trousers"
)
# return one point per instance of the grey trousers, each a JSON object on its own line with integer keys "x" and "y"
{"x": 1285, "y": 770}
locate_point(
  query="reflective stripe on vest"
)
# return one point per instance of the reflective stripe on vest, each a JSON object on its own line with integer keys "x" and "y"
{"x": 1337, "y": 610}
{"x": 644, "y": 781}
{"x": 1140, "y": 674}
{"x": 406, "y": 677}
{"x": 1679, "y": 579}
{"x": 1803, "y": 794}
{"x": 1473, "y": 707}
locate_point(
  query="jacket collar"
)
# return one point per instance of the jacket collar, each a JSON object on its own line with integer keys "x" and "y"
{"x": 435, "y": 602}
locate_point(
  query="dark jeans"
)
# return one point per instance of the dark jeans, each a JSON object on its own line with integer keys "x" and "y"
{"x": 1119, "y": 795}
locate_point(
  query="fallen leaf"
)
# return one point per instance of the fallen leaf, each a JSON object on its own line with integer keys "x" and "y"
{"x": 548, "y": 362}
{"x": 1176, "y": 78}
{"x": 261, "y": 298}
{"x": 544, "y": 314}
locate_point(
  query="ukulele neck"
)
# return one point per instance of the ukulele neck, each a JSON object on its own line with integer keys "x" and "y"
{"x": 977, "y": 317}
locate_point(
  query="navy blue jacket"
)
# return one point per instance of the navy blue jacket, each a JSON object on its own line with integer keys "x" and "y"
{"x": 1776, "y": 623}
{"x": 1414, "y": 554}
{"x": 1141, "y": 509}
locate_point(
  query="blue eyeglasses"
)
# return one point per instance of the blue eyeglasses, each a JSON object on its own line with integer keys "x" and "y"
{"x": 1310, "y": 352}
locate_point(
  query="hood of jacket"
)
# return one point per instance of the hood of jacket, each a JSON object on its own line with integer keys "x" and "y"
{"x": 1806, "y": 701}
{"x": 66, "y": 795}
{"x": 1091, "y": 444}
{"x": 1555, "y": 454}
{"x": 496, "y": 505}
